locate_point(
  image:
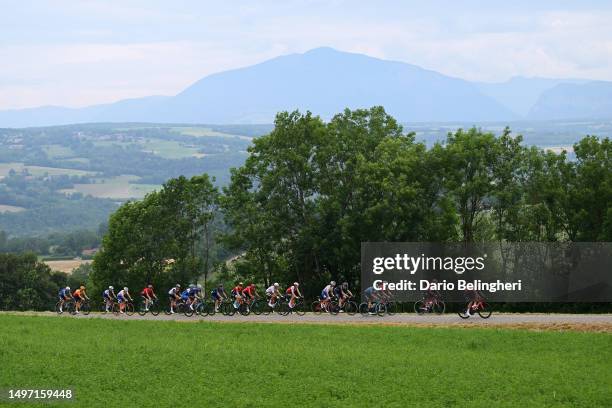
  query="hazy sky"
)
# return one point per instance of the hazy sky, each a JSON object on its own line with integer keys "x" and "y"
{"x": 76, "y": 53}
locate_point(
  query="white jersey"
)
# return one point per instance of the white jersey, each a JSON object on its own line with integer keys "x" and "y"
{"x": 271, "y": 290}
{"x": 123, "y": 293}
{"x": 173, "y": 291}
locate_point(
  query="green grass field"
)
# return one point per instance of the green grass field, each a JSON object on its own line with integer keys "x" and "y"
{"x": 165, "y": 363}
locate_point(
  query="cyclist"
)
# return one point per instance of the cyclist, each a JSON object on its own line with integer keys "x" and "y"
{"x": 108, "y": 296}
{"x": 218, "y": 294}
{"x": 122, "y": 297}
{"x": 173, "y": 296}
{"x": 272, "y": 293}
{"x": 294, "y": 292}
{"x": 186, "y": 295}
{"x": 237, "y": 294}
{"x": 195, "y": 295}
{"x": 79, "y": 296}
{"x": 249, "y": 293}
{"x": 326, "y": 294}
{"x": 342, "y": 292}
{"x": 371, "y": 295}
{"x": 64, "y": 295}
{"x": 148, "y": 295}
{"x": 474, "y": 298}
{"x": 431, "y": 294}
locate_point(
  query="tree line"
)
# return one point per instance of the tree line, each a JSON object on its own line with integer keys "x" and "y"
{"x": 311, "y": 191}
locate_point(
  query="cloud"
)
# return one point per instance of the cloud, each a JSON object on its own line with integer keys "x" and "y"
{"x": 81, "y": 53}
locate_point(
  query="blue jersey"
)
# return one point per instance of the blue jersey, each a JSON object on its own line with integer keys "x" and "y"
{"x": 195, "y": 291}
{"x": 63, "y": 292}
{"x": 185, "y": 293}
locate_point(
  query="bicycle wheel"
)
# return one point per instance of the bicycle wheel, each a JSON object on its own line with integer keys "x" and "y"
{"x": 316, "y": 307}
{"x": 244, "y": 309}
{"x": 188, "y": 311}
{"x": 154, "y": 308}
{"x": 439, "y": 307}
{"x": 211, "y": 307}
{"x": 391, "y": 308}
{"x": 485, "y": 311}
{"x": 419, "y": 307}
{"x": 86, "y": 308}
{"x": 229, "y": 309}
{"x": 201, "y": 309}
{"x": 333, "y": 308}
{"x": 283, "y": 309}
{"x": 142, "y": 310}
{"x": 363, "y": 309}
{"x": 129, "y": 309}
{"x": 57, "y": 308}
{"x": 380, "y": 309}
{"x": 350, "y": 308}
{"x": 463, "y": 313}
{"x": 299, "y": 308}
{"x": 257, "y": 308}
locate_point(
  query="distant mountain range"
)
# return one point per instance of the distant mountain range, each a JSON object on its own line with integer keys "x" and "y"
{"x": 325, "y": 81}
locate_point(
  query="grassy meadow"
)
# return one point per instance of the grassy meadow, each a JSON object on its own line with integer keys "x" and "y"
{"x": 164, "y": 363}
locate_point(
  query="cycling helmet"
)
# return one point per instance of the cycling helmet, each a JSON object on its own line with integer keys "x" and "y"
{"x": 239, "y": 283}
{"x": 178, "y": 285}
{"x": 67, "y": 287}
{"x": 82, "y": 287}
{"x": 296, "y": 284}
{"x": 276, "y": 285}
{"x": 150, "y": 286}
{"x": 125, "y": 288}
{"x": 111, "y": 288}
{"x": 192, "y": 286}
{"x": 333, "y": 283}
{"x": 345, "y": 284}
{"x": 199, "y": 286}
{"x": 220, "y": 285}
{"x": 252, "y": 285}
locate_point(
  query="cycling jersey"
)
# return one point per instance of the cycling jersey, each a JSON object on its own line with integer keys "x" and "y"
{"x": 122, "y": 295}
{"x": 173, "y": 291}
{"x": 248, "y": 291}
{"x": 63, "y": 293}
{"x": 77, "y": 293}
{"x": 369, "y": 292}
{"x": 271, "y": 290}
{"x": 338, "y": 291}
{"x": 147, "y": 292}
{"x": 217, "y": 293}
{"x": 185, "y": 294}
{"x": 237, "y": 291}
{"x": 195, "y": 292}
{"x": 291, "y": 290}
{"x": 325, "y": 292}
{"x": 107, "y": 294}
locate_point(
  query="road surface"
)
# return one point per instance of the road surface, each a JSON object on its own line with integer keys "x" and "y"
{"x": 590, "y": 322}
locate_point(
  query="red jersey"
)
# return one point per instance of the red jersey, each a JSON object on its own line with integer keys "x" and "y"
{"x": 248, "y": 291}
{"x": 147, "y": 292}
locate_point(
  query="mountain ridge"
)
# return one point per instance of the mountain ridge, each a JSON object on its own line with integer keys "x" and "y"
{"x": 324, "y": 81}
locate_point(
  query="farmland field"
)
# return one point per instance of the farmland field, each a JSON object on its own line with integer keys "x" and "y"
{"x": 157, "y": 363}
{"x": 120, "y": 187}
{"x": 66, "y": 265}
{"x": 5, "y": 168}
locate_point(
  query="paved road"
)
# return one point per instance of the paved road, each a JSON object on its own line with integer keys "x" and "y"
{"x": 598, "y": 322}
